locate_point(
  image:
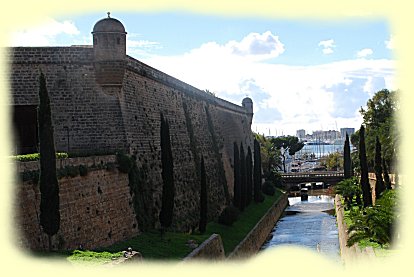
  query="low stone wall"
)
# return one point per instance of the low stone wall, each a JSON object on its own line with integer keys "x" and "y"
{"x": 210, "y": 249}
{"x": 251, "y": 244}
{"x": 96, "y": 210}
{"x": 348, "y": 254}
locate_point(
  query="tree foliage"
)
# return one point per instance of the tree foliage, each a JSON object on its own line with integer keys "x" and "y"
{"x": 379, "y": 117}
{"x": 375, "y": 223}
{"x": 379, "y": 182}
{"x": 347, "y": 159}
{"x": 287, "y": 145}
{"x": 167, "y": 201}
{"x": 48, "y": 183}
{"x": 269, "y": 155}
{"x": 203, "y": 198}
{"x": 243, "y": 178}
{"x": 257, "y": 174}
{"x": 237, "y": 177}
{"x": 249, "y": 176}
{"x": 349, "y": 188}
{"x": 334, "y": 161}
{"x": 387, "y": 181}
{"x": 366, "y": 189}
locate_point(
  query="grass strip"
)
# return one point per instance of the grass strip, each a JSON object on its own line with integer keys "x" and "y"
{"x": 173, "y": 246}
{"x": 233, "y": 235}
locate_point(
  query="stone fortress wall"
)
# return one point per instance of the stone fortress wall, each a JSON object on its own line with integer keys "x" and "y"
{"x": 96, "y": 210}
{"x": 104, "y": 103}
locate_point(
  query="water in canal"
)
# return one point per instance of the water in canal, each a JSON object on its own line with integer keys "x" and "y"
{"x": 309, "y": 224}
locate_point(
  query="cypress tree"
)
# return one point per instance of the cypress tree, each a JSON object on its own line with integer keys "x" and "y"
{"x": 203, "y": 198}
{"x": 48, "y": 183}
{"x": 366, "y": 189}
{"x": 347, "y": 159}
{"x": 257, "y": 173}
{"x": 387, "y": 181}
{"x": 242, "y": 178}
{"x": 236, "y": 171}
{"x": 379, "y": 183}
{"x": 249, "y": 176}
{"x": 167, "y": 201}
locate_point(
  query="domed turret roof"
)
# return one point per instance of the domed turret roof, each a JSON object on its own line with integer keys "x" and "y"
{"x": 109, "y": 25}
{"x": 247, "y": 100}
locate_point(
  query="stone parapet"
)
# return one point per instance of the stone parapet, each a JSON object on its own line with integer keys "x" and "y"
{"x": 50, "y": 55}
{"x": 210, "y": 249}
{"x": 163, "y": 78}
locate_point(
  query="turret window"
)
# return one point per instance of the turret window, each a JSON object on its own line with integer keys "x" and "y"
{"x": 118, "y": 40}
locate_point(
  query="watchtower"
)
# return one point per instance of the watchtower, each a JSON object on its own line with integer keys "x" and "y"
{"x": 109, "y": 48}
{"x": 247, "y": 103}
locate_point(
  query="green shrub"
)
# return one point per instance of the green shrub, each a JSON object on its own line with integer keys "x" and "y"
{"x": 124, "y": 162}
{"x": 83, "y": 170}
{"x": 268, "y": 188}
{"x": 36, "y": 157}
{"x": 228, "y": 216}
{"x": 110, "y": 166}
{"x": 260, "y": 198}
{"x": 79, "y": 256}
{"x": 375, "y": 223}
{"x": 275, "y": 178}
{"x": 349, "y": 188}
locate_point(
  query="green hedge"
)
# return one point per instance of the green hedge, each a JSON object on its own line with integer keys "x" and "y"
{"x": 36, "y": 157}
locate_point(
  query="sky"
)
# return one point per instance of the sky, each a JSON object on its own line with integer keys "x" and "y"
{"x": 300, "y": 74}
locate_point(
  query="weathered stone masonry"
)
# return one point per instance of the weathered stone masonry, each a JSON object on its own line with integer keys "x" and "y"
{"x": 103, "y": 100}
{"x": 96, "y": 209}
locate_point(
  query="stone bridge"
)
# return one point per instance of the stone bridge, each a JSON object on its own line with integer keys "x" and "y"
{"x": 327, "y": 177}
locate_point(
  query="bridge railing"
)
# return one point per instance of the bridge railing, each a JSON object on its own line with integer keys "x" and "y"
{"x": 312, "y": 174}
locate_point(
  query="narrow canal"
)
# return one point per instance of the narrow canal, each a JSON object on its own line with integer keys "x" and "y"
{"x": 310, "y": 224}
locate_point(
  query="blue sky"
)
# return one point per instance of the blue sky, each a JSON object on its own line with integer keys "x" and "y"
{"x": 301, "y": 74}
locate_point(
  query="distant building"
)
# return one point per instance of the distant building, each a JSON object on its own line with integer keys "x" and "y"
{"x": 348, "y": 131}
{"x": 330, "y": 135}
{"x": 301, "y": 133}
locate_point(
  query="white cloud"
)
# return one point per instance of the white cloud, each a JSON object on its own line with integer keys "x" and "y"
{"x": 141, "y": 48}
{"x": 253, "y": 47}
{"x": 143, "y": 44}
{"x": 327, "y": 45}
{"x": 302, "y": 95}
{"x": 43, "y": 35}
{"x": 327, "y": 51}
{"x": 259, "y": 46}
{"x": 390, "y": 44}
{"x": 364, "y": 52}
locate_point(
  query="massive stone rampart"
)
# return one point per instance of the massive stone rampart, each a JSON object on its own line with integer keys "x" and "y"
{"x": 90, "y": 118}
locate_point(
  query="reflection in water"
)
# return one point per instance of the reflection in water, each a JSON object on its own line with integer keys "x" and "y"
{"x": 309, "y": 224}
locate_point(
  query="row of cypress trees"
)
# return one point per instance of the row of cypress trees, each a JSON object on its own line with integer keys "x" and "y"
{"x": 366, "y": 190}
{"x": 380, "y": 167}
{"x": 48, "y": 183}
{"x": 247, "y": 178}
{"x": 167, "y": 173}
{"x": 167, "y": 201}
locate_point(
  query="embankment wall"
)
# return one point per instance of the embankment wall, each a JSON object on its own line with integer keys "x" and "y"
{"x": 251, "y": 244}
{"x": 351, "y": 254}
